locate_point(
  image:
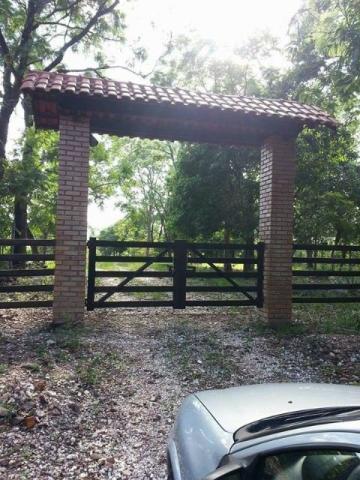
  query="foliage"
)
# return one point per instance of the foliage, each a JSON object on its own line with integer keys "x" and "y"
{"x": 215, "y": 189}
{"x": 197, "y": 63}
{"x": 324, "y": 50}
{"x": 327, "y": 188}
{"x": 102, "y": 182}
{"x": 166, "y": 190}
{"x": 131, "y": 227}
{"x": 33, "y": 174}
{"x": 325, "y": 45}
{"x": 142, "y": 168}
{"x": 37, "y": 34}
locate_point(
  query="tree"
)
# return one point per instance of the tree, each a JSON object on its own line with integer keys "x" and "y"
{"x": 215, "y": 191}
{"x": 197, "y": 191}
{"x": 38, "y": 34}
{"x": 325, "y": 45}
{"x": 32, "y": 177}
{"x": 196, "y": 63}
{"x": 325, "y": 53}
{"x": 141, "y": 169}
{"x": 33, "y": 174}
{"x": 327, "y": 205}
{"x": 130, "y": 227}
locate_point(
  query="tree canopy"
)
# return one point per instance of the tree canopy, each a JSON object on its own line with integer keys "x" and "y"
{"x": 38, "y": 35}
{"x": 168, "y": 190}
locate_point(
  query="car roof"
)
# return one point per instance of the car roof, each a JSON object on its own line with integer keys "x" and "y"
{"x": 235, "y": 407}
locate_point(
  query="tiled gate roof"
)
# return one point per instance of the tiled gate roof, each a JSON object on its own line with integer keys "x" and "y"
{"x": 60, "y": 84}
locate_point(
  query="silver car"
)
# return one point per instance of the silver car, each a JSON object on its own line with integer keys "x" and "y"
{"x": 268, "y": 432}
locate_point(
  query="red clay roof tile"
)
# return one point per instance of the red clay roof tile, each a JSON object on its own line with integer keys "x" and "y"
{"x": 59, "y": 83}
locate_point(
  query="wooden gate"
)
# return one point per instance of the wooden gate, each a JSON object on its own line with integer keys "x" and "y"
{"x": 173, "y": 274}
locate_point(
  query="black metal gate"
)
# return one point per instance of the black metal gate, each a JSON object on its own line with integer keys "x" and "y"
{"x": 179, "y": 272}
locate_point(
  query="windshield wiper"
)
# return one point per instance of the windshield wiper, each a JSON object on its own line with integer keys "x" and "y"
{"x": 297, "y": 419}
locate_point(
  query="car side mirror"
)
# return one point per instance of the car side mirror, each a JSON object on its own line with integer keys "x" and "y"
{"x": 227, "y": 472}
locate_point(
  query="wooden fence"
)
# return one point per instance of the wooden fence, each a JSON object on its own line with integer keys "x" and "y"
{"x": 26, "y": 273}
{"x": 331, "y": 271}
{"x": 190, "y": 272}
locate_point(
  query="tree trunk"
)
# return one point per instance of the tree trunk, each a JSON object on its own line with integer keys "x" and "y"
{"x": 336, "y": 243}
{"x": 20, "y": 218}
{"x": 34, "y": 248}
{"x": 227, "y": 253}
{"x": 11, "y": 95}
{"x": 21, "y": 200}
{"x": 310, "y": 254}
{"x": 20, "y": 227}
{"x": 148, "y": 234}
{"x": 5, "y": 114}
{"x": 249, "y": 253}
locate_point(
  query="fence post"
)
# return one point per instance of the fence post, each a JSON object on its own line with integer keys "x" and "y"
{"x": 91, "y": 273}
{"x": 260, "y": 274}
{"x": 180, "y": 264}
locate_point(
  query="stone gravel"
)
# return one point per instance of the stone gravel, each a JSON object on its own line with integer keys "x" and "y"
{"x": 98, "y": 402}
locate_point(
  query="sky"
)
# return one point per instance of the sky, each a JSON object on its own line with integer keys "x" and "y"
{"x": 228, "y": 23}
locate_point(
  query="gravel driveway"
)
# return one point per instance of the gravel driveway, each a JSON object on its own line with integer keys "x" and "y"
{"x": 98, "y": 402}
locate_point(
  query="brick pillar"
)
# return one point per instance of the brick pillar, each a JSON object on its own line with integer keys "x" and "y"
{"x": 276, "y": 226}
{"x": 71, "y": 220}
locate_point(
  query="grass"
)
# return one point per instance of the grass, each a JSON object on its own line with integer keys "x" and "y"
{"x": 92, "y": 371}
{"x": 294, "y": 329}
{"x": 70, "y": 337}
{"x": 72, "y": 347}
{"x": 48, "y": 359}
{"x": 158, "y": 267}
{"x": 89, "y": 371}
{"x": 196, "y": 352}
{"x": 330, "y": 318}
{"x": 68, "y": 342}
{"x": 331, "y": 371}
{"x": 3, "y": 368}
{"x": 32, "y": 367}
{"x": 10, "y": 410}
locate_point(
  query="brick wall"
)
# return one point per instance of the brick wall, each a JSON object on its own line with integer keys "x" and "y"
{"x": 276, "y": 226}
{"x": 71, "y": 220}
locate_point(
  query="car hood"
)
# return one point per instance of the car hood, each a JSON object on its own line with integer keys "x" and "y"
{"x": 235, "y": 407}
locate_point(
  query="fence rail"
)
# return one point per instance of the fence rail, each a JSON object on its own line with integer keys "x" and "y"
{"x": 332, "y": 272}
{"x": 25, "y": 267}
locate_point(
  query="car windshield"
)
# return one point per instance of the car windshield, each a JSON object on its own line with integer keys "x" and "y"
{"x": 299, "y": 419}
{"x": 309, "y": 465}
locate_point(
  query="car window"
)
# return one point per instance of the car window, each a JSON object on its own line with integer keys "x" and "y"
{"x": 310, "y": 465}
